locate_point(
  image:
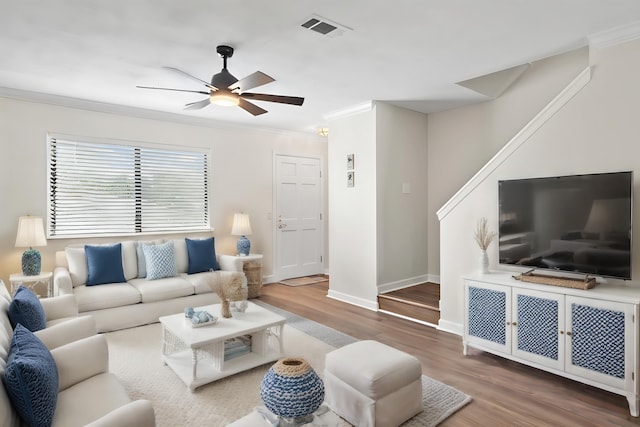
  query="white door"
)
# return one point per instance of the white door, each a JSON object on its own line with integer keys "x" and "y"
{"x": 298, "y": 217}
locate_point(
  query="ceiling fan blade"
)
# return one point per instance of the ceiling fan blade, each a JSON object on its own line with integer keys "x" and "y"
{"x": 252, "y": 80}
{"x": 292, "y": 100}
{"x": 198, "y": 104}
{"x": 178, "y": 90}
{"x": 251, "y": 108}
{"x": 184, "y": 73}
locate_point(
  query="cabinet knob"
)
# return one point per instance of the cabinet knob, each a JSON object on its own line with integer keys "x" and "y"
{"x": 569, "y": 333}
{"x": 515, "y": 323}
{"x": 561, "y": 332}
{"x": 508, "y": 323}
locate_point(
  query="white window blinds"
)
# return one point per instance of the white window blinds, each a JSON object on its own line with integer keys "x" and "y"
{"x": 100, "y": 189}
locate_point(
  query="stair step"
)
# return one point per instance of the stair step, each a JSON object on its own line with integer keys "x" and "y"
{"x": 412, "y": 309}
{"x": 419, "y": 302}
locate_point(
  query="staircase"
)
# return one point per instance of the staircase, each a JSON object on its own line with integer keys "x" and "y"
{"x": 420, "y": 303}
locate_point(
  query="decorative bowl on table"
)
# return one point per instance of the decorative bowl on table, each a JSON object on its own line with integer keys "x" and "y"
{"x": 199, "y": 318}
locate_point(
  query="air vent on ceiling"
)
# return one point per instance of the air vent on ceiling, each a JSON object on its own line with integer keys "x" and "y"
{"x": 324, "y": 26}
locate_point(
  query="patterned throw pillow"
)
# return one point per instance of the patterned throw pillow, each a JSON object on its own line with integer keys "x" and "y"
{"x": 160, "y": 261}
{"x": 31, "y": 378}
{"x": 26, "y": 309}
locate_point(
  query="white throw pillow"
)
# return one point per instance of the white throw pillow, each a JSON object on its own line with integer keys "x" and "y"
{"x": 77, "y": 261}
{"x": 182, "y": 255}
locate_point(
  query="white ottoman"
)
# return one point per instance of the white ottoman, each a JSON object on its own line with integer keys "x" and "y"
{"x": 371, "y": 384}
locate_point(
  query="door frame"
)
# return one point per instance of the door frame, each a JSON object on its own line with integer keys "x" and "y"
{"x": 274, "y": 249}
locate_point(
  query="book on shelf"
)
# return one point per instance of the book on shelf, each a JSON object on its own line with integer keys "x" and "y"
{"x": 237, "y": 346}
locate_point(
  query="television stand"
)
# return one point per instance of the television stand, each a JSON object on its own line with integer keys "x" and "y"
{"x": 589, "y": 336}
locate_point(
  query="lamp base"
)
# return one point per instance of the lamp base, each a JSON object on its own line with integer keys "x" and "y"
{"x": 31, "y": 262}
{"x": 244, "y": 246}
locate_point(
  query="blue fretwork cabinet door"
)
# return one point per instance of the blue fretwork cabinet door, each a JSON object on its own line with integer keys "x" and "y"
{"x": 598, "y": 334}
{"x": 538, "y": 327}
{"x": 488, "y": 314}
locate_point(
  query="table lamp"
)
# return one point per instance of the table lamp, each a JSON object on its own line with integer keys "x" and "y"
{"x": 30, "y": 234}
{"x": 242, "y": 227}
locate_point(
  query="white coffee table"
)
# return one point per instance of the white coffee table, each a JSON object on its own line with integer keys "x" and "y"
{"x": 323, "y": 417}
{"x": 196, "y": 355}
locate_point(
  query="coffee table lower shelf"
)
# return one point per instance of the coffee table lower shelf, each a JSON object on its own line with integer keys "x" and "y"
{"x": 182, "y": 364}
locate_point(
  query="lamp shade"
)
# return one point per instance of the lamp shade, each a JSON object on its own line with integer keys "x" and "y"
{"x": 30, "y": 232}
{"x": 241, "y": 225}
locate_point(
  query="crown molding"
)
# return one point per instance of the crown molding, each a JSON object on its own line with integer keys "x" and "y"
{"x": 141, "y": 113}
{"x": 615, "y": 36}
{"x": 350, "y": 111}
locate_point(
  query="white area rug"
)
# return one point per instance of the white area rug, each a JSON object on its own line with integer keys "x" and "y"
{"x": 135, "y": 359}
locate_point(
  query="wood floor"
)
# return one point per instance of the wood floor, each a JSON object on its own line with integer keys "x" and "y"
{"x": 505, "y": 393}
{"x": 419, "y": 302}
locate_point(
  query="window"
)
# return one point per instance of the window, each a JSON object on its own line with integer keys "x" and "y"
{"x": 107, "y": 188}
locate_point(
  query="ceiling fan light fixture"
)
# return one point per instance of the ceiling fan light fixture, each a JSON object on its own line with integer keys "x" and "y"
{"x": 322, "y": 131}
{"x": 224, "y": 99}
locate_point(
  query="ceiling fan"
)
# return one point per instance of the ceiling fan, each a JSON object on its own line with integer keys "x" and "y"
{"x": 226, "y": 90}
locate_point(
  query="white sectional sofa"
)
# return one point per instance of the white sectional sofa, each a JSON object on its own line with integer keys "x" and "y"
{"x": 87, "y": 394}
{"x": 138, "y": 300}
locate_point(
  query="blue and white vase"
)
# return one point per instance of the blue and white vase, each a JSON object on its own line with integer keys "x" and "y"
{"x": 292, "y": 390}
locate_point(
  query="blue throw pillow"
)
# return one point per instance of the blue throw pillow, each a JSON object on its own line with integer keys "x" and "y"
{"x": 202, "y": 255}
{"x": 104, "y": 264}
{"x": 31, "y": 378}
{"x": 25, "y": 308}
{"x": 160, "y": 261}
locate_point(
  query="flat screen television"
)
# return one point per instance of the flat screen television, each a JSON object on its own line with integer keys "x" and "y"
{"x": 577, "y": 223}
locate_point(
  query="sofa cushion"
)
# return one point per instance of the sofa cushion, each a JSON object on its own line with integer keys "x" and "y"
{"x": 162, "y": 289}
{"x": 91, "y": 298}
{"x": 129, "y": 259}
{"x": 160, "y": 261}
{"x": 89, "y": 400}
{"x": 142, "y": 265}
{"x": 182, "y": 256}
{"x": 31, "y": 378}
{"x": 201, "y": 281}
{"x": 26, "y": 309}
{"x": 202, "y": 255}
{"x": 104, "y": 264}
{"x": 77, "y": 261}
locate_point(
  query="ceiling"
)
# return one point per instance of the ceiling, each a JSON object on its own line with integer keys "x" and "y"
{"x": 407, "y": 52}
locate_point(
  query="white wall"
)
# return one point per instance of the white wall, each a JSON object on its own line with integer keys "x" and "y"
{"x": 401, "y": 140}
{"x": 462, "y": 140}
{"x": 241, "y": 169}
{"x": 378, "y": 234}
{"x": 352, "y": 211}
{"x": 596, "y": 131}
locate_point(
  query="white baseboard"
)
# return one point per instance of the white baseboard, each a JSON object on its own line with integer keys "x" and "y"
{"x": 447, "y": 326}
{"x": 413, "y": 319}
{"x": 350, "y": 299}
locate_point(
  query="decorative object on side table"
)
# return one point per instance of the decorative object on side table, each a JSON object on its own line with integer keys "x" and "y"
{"x": 30, "y": 234}
{"x": 242, "y": 227}
{"x": 292, "y": 390}
{"x": 484, "y": 237}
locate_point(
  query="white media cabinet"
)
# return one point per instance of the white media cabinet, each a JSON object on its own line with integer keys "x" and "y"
{"x": 589, "y": 336}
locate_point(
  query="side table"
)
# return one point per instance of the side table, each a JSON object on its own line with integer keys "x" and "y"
{"x": 31, "y": 282}
{"x": 252, "y": 267}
